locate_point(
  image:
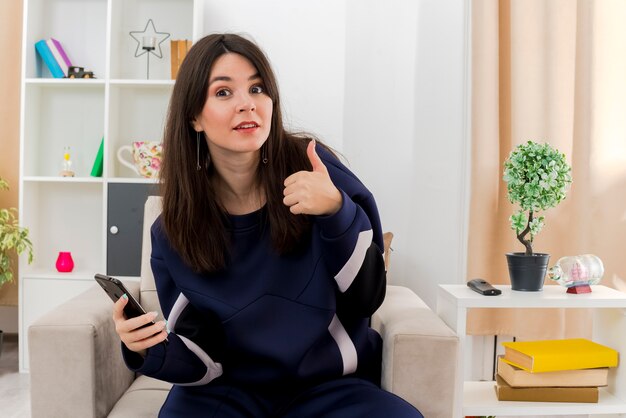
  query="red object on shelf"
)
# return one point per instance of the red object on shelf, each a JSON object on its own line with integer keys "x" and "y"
{"x": 585, "y": 288}
{"x": 65, "y": 263}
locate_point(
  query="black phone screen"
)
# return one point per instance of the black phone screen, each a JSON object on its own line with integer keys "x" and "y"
{"x": 115, "y": 289}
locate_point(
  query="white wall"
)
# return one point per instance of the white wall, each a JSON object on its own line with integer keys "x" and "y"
{"x": 305, "y": 42}
{"x": 386, "y": 84}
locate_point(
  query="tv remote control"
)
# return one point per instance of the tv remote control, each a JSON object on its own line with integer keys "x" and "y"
{"x": 483, "y": 287}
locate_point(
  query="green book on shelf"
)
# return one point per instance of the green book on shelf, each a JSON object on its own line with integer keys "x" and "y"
{"x": 96, "y": 170}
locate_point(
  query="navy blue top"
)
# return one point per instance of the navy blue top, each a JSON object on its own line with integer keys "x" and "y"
{"x": 268, "y": 318}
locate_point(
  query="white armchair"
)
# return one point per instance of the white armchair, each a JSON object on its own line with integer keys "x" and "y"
{"x": 77, "y": 369}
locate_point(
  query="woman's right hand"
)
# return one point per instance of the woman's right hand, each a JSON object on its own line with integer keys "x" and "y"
{"x": 137, "y": 339}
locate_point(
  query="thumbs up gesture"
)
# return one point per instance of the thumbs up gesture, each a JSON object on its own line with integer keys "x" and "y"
{"x": 312, "y": 192}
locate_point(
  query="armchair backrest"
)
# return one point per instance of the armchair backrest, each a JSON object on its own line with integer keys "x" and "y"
{"x": 147, "y": 289}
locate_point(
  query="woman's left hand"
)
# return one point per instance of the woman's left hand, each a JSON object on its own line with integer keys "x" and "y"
{"x": 312, "y": 192}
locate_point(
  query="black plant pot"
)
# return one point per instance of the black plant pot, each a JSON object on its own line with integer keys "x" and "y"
{"x": 527, "y": 272}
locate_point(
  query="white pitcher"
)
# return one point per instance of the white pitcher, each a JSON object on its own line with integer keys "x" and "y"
{"x": 146, "y": 157}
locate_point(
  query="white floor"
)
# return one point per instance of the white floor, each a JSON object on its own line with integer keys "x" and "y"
{"x": 14, "y": 386}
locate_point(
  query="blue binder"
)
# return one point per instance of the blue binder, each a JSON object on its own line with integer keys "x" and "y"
{"x": 48, "y": 58}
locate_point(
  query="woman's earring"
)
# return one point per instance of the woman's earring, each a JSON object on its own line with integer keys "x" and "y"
{"x": 198, "y": 167}
{"x": 264, "y": 154}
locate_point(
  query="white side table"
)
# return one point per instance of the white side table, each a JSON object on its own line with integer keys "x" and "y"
{"x": 609, "y": 328}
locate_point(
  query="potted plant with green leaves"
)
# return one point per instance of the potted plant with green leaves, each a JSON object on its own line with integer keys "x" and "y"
{"x": 13, "y": 239}
{"x": 538, "y": 178}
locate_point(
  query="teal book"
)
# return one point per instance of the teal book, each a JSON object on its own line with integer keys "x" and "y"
{"x": 96, "y": 170}
{"x": 47, "y": 57}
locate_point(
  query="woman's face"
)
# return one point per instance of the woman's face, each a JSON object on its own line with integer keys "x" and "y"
{"x": 236, "y": 117}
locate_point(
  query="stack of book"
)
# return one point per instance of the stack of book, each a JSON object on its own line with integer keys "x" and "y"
{"x": 569, "y": 370}
{"x": 54, "y": 56}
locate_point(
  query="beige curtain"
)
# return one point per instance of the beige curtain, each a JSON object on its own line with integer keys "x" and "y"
{"x": 554, "y": 71}
{"x": 10, "y": 45}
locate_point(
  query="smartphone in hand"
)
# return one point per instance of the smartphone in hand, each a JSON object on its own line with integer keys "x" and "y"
{"x": 115, "y": 289}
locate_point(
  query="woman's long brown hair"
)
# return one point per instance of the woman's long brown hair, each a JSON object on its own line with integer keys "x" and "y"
{"x": 194, "y": 221}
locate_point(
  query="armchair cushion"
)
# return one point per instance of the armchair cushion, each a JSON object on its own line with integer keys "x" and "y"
{"x": 142, "y": 399}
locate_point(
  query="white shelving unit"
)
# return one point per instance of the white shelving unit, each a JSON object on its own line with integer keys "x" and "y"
{"x": 120, "y": 106}
{"x": 609, "y": 324}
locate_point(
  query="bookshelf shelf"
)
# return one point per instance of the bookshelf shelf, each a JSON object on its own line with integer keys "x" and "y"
{"x": 112, "y": 180}
{"x": 117, "y": 107}
{"x": 80, "y": 26}
{"x": 78, "y": 83}
{"x": 53, "y": 179}
{"x": 50, "y": 274}
{"x": 609, "y": 322}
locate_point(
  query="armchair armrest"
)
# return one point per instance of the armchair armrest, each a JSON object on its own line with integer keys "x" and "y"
{"x": 76, "y": 365}
{"x": 419, "y": 353}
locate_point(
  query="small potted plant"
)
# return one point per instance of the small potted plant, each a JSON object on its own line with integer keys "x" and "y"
{"x": 538, "y": 178}
{"x": 13, "y": 238}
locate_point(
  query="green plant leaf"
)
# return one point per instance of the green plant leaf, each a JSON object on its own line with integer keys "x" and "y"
{"x": 535, "y": 226}
{"x": 518, "y": 221}
{"x": 13, "y": 238}
{"x": 537, "y": 178}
